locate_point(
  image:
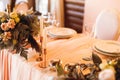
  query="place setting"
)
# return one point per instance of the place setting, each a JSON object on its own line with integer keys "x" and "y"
{"x": 61, "y": 33}
{"x": 107, "y": 48}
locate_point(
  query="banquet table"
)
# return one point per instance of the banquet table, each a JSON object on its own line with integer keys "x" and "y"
{"x": 72, "y": 50}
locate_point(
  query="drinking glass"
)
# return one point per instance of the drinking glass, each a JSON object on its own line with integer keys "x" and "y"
{"x": 87, "y": 30}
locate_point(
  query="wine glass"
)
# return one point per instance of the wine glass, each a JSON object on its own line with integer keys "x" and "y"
{"x": 51, "y": 20}
{"x": 55, "y": 23}
{"x": 48, "y": 20}
{"x": 87, "y": 30}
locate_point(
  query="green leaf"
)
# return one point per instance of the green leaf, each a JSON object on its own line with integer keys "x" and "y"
{"x": 34, "y": 44}
{"x": 87, "y": 58}
{"x": 15, "y": 34}
{"x": 60, "y": 70}
{"x": 96, "y": 59}
{"x": 118, "y": 62}
{"x": 24, "y": 54}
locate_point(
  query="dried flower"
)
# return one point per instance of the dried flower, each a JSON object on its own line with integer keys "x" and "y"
{"x": 13, "y": 15}
{"x": 3, "y": 19}
{"x": 11, "y": 23}
{"x": 7, "y": 36}
{"x": 4, "y": 26}
{"x": 17, "y": 19}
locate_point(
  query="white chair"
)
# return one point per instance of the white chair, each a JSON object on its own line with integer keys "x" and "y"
{"x": 107, "y": 25}
{"x": 21, "y": 6}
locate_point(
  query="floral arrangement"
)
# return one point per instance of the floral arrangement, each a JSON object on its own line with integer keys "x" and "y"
{"x": 17, "y": 31}
{"x": 97, "y": 70}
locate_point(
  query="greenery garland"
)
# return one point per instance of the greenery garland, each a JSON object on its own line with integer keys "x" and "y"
{"x": 76, "y": 71}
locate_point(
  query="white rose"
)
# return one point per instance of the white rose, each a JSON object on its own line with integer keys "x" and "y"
{"x": 107, "y": 74}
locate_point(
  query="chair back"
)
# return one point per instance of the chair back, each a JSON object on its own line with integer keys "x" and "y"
{"x": 107, "y": 25}
{"x": 21, "y": 7}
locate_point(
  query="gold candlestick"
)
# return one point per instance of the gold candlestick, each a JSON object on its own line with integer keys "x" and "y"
{"x": 44, "y": 58}
{"x": 43, "y": 41}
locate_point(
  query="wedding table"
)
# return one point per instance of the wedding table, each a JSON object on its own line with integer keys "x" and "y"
{"x": 72, "y": 50}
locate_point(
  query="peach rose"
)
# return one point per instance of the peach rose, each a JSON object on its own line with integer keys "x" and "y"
{"x": 11, "y": 23}
{"x": 7, "y": 36}
{"x": 4, "y": 26}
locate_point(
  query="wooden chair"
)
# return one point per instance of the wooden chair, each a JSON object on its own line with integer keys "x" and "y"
{"x": 74, "y": 14}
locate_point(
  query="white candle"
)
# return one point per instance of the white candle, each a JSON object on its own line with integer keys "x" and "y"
{"x": 41, "y": 25}
{"x": 45, "y": 38}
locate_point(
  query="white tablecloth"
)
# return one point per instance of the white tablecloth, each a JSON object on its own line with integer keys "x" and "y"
{"x": 15, "y": 67}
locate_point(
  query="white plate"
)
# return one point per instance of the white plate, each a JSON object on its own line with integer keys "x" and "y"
{"x": 108, "y": 47}
{"x": 61, "y": 32}
{"x": 104, "y": 53}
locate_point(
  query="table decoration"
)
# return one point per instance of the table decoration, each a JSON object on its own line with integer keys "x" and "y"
{"x": 53, "y": 63}
{"x": 17, "y": 31}
{"x": 95, "y": 68}
{"x": 43, "y": 41}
